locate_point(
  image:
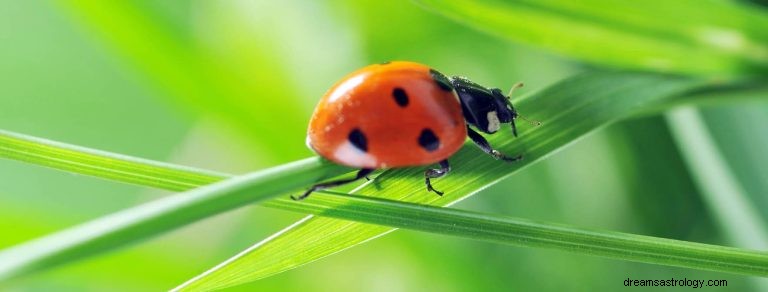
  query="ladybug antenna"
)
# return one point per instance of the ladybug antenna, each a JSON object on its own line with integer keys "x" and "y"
{"x": 534, "y": 123}
{"x": 512, "y": 108}
{"x": 516, "y": 86}
{"x": 514, "y": 128}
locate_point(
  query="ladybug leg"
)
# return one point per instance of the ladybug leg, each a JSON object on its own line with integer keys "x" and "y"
{"x": 514, "y": 128}
{"x": 486, "y": 147}
{"x": 321, "y": 186}
{"x": 435, "y": 173}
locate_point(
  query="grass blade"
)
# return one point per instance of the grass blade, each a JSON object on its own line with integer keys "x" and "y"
{"x": 684, "y": 36}
{"x": 522, "y": 232}
{"x": 103, "y": 164}
{"x": 147, "y": 220}
{"x": 567, "y": 110}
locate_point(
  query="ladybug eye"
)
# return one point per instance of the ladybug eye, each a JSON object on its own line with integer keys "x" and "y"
{"x": 400, "y": 96}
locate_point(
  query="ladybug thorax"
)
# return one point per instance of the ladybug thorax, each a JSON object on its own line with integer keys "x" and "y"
{"x": 485, "y": 109}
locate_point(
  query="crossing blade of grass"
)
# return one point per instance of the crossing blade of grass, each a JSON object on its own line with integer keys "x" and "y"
{"x": 153, "y": 218}
{"x": 567, "y": 110}
{"x": 528, "y": 233}
{"x": 688, "y": 36}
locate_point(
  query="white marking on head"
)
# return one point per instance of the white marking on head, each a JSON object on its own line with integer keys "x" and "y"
{"x": 345, "y": 87}
{"x": 350, "y": 155}
{"x": 493, "y": 122}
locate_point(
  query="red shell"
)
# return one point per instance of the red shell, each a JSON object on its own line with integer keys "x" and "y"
{"x": 365, "y": 101}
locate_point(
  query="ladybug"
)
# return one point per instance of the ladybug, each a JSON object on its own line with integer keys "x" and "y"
{"x": 399, "y": 114}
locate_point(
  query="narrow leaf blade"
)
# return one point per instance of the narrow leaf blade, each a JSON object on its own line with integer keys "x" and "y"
{"x": 662, "y": 36}
{"x": 153, "y": 218}
{"x": 567, "y": 110}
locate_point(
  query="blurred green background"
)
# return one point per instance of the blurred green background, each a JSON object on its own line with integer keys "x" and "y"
{"x": 230, "y": 85}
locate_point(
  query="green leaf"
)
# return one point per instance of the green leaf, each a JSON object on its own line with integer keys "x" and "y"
{"x": 145, "y": 221}
{"x": 567, "y": 110}
{"x": 684, "y": 36}
{"x": 103, "y": 164}
{"x": 513, "y": 231}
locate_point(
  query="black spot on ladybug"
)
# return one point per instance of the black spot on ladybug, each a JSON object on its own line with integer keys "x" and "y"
{"x": 428, "y": 140}
{"x": 357, "y": 138}
{"x": 400, "y": 96}
{"x": 441, "y": 80}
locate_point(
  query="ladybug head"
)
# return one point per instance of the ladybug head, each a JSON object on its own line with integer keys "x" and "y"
{"x": 507, "y": 112}
{"x": 484, "y": 108}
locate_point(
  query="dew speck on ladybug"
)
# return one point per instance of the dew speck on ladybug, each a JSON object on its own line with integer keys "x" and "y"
{"x": 399, "y": 114}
